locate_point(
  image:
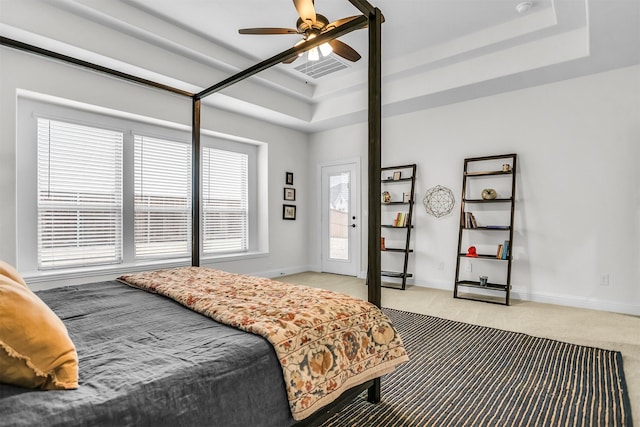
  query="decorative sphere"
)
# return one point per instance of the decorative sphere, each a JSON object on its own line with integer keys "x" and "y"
{"x": 489, "y": 194}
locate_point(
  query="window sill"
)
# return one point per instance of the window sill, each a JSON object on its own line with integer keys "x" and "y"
{"x": 58, "y": 276}
{"x": 214, "y": 259}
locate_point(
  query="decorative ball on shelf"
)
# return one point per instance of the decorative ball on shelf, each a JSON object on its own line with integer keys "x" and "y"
{"x": 489, "y": 194}
{"x": 386, "y": 197}
{"x": 439, "y": 201}
{"x": 471, "y": 252}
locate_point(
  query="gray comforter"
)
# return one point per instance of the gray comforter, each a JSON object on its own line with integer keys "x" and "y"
{"x": 148, "y": 361}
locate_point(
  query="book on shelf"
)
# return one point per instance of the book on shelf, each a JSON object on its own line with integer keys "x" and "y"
{"x": 401, "y": 219}
{"x": 503, "y": 250}
{"x": 497, "y": 227}
{"x": 470, "y": 220}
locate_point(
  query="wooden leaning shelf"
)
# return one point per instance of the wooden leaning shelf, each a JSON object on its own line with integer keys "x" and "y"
{"x": 403, "y": 222}
{"x": 483, "y": 289}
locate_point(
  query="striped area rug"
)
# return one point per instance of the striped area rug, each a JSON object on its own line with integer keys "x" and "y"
{"x": 467, "y": 375}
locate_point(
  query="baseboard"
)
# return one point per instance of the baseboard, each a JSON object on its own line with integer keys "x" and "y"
{"x": 272, "y": 274}
{"x": 520, "y": 294}
{"x": 579, "y": 302}
{"x": 546, "y": 298}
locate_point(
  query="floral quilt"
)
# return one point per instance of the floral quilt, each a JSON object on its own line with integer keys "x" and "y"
{"x": 326, "y": 342}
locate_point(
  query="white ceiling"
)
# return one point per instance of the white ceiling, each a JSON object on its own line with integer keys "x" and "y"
{"x": 411, "y": 25}
{"x": 434, "y": 51}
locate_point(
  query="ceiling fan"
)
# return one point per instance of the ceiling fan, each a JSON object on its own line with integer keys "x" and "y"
{"x": 310, "y": 25}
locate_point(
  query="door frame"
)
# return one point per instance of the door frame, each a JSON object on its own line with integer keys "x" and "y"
{"x": 356, "y": 194}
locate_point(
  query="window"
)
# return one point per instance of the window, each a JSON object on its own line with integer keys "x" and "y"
{"x": 162, "y": 198}
{"x": 225, "y": 204}
{"x": 79, "y": 195}
{"x": 102, "y": 192}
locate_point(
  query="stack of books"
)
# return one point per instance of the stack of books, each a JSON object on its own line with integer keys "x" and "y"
{"x": 401, "y": 220}
{"x": 470, "y": 220}
{"x": 503, "y": 250}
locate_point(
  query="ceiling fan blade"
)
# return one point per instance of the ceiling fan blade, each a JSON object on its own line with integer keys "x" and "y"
{"x": 343, "y": 21}
{"x": 290, "y": 60}
{"x": 339, "y": 22}
{"x": 268, "y": 31}
{"x": 306, "y": 10}
{"x": 344, "y": 50}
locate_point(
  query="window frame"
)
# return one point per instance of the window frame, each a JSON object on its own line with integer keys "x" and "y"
{"x": 31, "y": 106}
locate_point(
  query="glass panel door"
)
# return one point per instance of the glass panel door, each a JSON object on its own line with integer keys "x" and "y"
{"x": 340, "y": 219}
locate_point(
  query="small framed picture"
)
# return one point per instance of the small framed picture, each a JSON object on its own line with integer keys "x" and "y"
{"x": 290, "y": 194}
{"x": 289, "y": 178}
{"x": 396, "y": 175}
{"x": 288, "y": 212}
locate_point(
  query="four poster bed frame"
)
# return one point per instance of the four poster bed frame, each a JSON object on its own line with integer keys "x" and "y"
{"x": 371, "y": 18}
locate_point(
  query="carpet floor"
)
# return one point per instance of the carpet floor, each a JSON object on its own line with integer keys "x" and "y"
{"x": 467, "y": 375}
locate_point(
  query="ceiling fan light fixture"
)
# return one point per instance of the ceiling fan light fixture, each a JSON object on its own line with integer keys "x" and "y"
{"x": 309, "y": 25}
{"x": 313, "y": 54}
{"x": 326, "y": 49}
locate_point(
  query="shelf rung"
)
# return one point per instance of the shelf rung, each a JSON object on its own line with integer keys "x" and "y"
{"x": 490, "y": 286}
{"x": 395, "y": 274}
{"x": 500, "y": 200}
{"x": 483, "y": 257}
{"x": 484, "y": 173}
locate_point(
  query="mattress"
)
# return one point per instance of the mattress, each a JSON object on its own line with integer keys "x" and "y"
{"x": 145, "y": 360}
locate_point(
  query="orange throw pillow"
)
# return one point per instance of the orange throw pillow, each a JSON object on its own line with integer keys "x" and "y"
{"x": 35, "y": 348}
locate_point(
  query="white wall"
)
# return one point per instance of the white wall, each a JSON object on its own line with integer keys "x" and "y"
{"x": 286, "y": 148}
{"x": 578, "y": 184}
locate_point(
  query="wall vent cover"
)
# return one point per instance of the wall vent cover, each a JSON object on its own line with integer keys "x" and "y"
{"x": 322, "y": 67}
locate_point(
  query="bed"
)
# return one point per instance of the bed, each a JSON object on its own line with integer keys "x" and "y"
{"x": 153, "y": 349}
{"x": 158, "y": 393}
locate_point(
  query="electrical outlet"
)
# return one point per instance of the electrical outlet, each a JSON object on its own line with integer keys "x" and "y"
{"x": 468, "y": 267}
{"x": 604, "y": 279}
{"x": 441, "y": 265}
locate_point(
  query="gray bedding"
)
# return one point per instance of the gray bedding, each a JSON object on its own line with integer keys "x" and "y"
{"x": 148, "y": 361}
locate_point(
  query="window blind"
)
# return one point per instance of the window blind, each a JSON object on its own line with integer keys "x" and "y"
{"x": 162, "y": 197}
{"x": 79, "y": 195}
{"x": 225, "y": 207}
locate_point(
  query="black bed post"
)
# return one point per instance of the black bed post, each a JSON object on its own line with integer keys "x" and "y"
{"x": 374, "y": 146}
{"x": 375, "y": 20}
{"x": 375, "y": 154}
{"x": 375, "y": 159}
{"x": 195, "y": 182}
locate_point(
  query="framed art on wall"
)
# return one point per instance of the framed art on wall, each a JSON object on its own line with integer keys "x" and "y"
{"x": 289, "y": 178}
{"x": 289, "y": 193}
{"x": 288, "y": 212}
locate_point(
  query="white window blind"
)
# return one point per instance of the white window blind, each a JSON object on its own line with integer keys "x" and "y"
{"x": 225, "y": 207}
{"x": 79, "y": 195}
{"x": 162, "y": 197}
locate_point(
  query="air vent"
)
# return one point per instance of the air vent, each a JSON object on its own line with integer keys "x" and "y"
{"x": 322, "y": 67}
